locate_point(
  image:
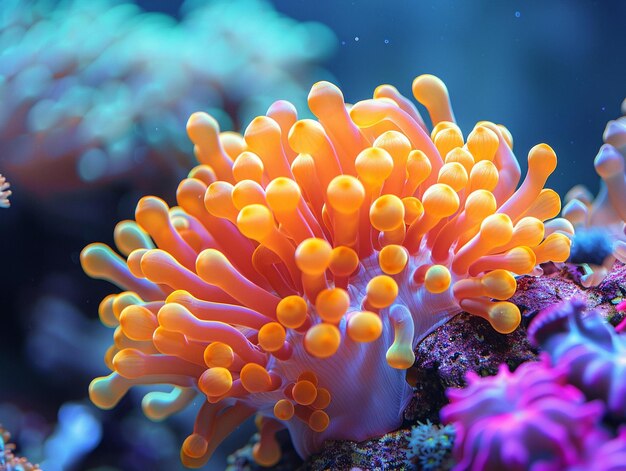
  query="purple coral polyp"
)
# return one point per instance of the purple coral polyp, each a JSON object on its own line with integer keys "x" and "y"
{"x": 527, "y": 420}
{"x": 591, "y": 352}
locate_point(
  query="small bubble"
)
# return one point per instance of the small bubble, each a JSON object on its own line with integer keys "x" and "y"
{"x": 343, "y": 43}
{"x": 517, "y": 14}
{"x": 356, "y": 38}
{"x": 386, "y": 41}
{"x": 603, "y": 108}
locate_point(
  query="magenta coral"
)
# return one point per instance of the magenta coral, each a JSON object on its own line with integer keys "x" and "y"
{"x": 527, "y": 420}
{"x": 603, "y": 453}
{"x": 307, "y": 258}
{"x": 588, "y": 349}
{"x": 621, "y": 307}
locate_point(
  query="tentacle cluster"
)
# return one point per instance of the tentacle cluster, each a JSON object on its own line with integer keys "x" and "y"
{"x": 304, "y": 253}
{"x": 601, "y": 222}
{"x": 527, "y": 420}
{"x": 589, "y": 349}
{"x": 540, "y": 417}
{"x": 603, "y": 454}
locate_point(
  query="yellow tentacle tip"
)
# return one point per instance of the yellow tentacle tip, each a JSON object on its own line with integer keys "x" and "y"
{"x": 392, "y": 259}
{"x": 292, "y": 311}
{"x": 248, "y": 166}
{"x": 283, "y": 409}
{"x": 440, "y": 200}
{"x": 283, "y": 194}
{"x": 272, "y": 336}
{"x": 496, "y": 229}
{"x": 413, "y": 209}
{"x": 484, "y": 175}
{"x": 387, "y": 213}
{"x": 447, "y": 139}
{"x": 201, "y": 127}
{"x": 259, "y": 128}
{"x": 373, "y": 165}
{"x": 343, "y": 261}
{"x": 364, "y": 326}
{"x": 499, "y": 284}
{"x": 96, "y": 259}
{"x": 266, "y": 453}
{"x": 504, "y": 317}
{"x": 366, "y": 113}
{"x": 255, "y": 378}
{"x": 324, "y": 96}
{"x": 212, "y": 265}
{"x": 331, "y": 304}
{"x": 542, "y": 160}
{"x": 437, "y": 279}
{"x": 345, "y": 194}
{"x": 218, "y": 354}
{"x": 106, "y": 391}
{"x": 381, "y": 291}
{"x": 215, "y": 381}
{"x": 555, "y": 248}
{"x": 304, "y": 392}
{"x": 483, "y": 143}
{"x": 195, "y": 446}
{"x": 400, "y": 357}
{"x": 427, "y": 86}
{"x": 319, "y": 421}
{"x": 418, "y": 166}
{"x": 313, "y": 256}
{"x": 322, "y": 340}
{"x": 454, "y": 175}
{"x": 255, "y": 221}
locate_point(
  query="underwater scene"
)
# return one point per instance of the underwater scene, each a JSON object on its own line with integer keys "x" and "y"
{"x": 312, "y": 235}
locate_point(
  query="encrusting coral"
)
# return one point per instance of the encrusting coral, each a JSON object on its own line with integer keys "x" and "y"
{"x": 8, "y": 461}
{"x": 429, "y": 445}
{"x": 4, "y": 192}
{"x": 308, "y": 258}
{"x": 601, "y": 222}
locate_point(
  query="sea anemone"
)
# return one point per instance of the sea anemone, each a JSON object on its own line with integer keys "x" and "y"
{"x": 527, "y": 420}
{"x": 600, "y": 223}
{"x": 306, "y": 259}
{"x": 603, "y": 454}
